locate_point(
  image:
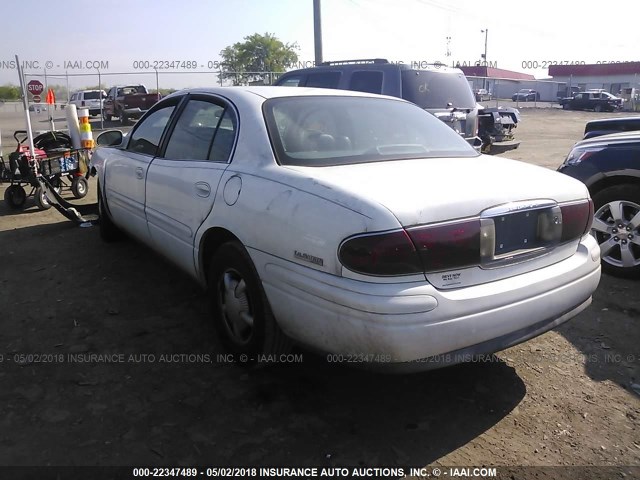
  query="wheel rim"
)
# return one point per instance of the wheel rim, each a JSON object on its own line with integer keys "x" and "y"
{"x": 81, "y": 188}
{"x": 235, "y": 305}
{"x": 615, "y": 227}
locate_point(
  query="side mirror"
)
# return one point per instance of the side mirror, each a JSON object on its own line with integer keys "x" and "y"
{"x": 110, "y": 138}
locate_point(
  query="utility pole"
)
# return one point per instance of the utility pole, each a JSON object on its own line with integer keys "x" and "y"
{"x": 317, "y": 32}
{"x": 486, "y": 64}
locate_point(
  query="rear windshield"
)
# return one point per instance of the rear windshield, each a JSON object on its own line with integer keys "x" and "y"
{"x": 326, "y": 130}
{"x": 437, "y": 90}
{"x": 91, "y": 95}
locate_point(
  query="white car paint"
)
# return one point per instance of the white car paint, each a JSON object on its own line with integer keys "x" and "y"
{"x": 287, "y": 216}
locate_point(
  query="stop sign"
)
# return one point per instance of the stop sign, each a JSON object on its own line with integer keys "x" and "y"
{"x": 35, "y": 87}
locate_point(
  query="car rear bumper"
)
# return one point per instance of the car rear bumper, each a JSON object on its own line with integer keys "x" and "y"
{"x": 396, "y": 323}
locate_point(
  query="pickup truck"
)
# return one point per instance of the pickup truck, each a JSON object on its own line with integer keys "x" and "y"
{"x": 128, "y": 102}
{"x": 596, "y": 101}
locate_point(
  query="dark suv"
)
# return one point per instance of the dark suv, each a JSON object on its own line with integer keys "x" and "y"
{"x": 609, "y": 165}
{"x": 443, "y": 91}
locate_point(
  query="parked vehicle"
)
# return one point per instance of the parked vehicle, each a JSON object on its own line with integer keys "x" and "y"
{"x": 482, "y": 94}
{"x": 90, "y": 99}
{"x": 526, "y": 95}
{"x": 564, "y": 92}
{"x": 606, "y": 126}
{"x": 353, "y": 223}
{"x": 128, "y": 102}
{"x": 608, "y": 165}
{"x": 441, "y": 90}
{"x": 596, "y": 101}
{"x": 38, "y": 107}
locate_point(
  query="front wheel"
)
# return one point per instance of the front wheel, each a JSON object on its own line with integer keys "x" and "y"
{"x": 109, "y": 231}
{"x": 242, "y": 315}
{"x": 598, "y": 108}
{"x": 106, "y": 116}
{"x": 616, "y": 227}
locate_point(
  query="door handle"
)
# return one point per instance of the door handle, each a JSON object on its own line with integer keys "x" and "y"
{"x": 139, "y": 173}
{"x": 203, "y": 189}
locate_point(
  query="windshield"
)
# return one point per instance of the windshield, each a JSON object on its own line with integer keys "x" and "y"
{"x": 437, "y": 89}
{"x": 325, "y": 130}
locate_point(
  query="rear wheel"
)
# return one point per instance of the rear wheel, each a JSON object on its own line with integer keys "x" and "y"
{"x": 566, "y": 107}
{"x": 616, "y": 227}
{"x": 79, "y": 187}
{"x": 106, "y": 116}
{"x": 15, "y": 196}
{"x": 242, "y": 315}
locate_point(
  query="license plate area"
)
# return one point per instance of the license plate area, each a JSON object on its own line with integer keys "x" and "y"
{"x": 519, "y": 232}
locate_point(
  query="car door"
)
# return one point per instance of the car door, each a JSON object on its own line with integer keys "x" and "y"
{"x": 126, "y": 170}
{"x": 182, "y": 182}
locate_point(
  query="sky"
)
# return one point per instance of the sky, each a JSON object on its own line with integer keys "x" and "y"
{"x": 118, "y": 36}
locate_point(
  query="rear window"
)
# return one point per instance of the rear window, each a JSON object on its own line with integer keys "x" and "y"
{"x": 326, "y": 130}
{"x": 436, "y": 90}
{"x": 92, "y": 95}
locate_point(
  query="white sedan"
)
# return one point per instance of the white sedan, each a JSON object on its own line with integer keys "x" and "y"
{"x": 355, "y": 224}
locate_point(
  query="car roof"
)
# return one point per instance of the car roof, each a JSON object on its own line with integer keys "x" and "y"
{"x": 378, "y": 66}
{"x": 267, "y": 92}
{"x": 618, "y": 137}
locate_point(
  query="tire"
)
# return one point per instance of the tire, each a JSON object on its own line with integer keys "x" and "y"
{"x": 109, "y": 232}
{"x": 566, "y": 107}
{"x": 124, "y": 120}
{"x": 106, "y": 116}
{"x": 619, "y": 247}
{"x": 41, "y": 199}
{"x": 597, "y": 108}
{"x": 79, "y": 187}
{"x": 15, "y": 196}
{"x": 241, "y": 312}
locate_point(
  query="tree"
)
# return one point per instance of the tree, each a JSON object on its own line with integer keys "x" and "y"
{"x": 9, "y": 92}
{"x": 249, "y": 61}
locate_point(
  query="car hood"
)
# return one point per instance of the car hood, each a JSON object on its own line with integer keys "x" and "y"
{"x": 431, "y": 190}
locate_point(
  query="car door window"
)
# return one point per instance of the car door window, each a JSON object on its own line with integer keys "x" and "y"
{"x": 146, "y": 137}
{"x": 369, "y": 82}
{"x": 193, "y": 135}
{"x": 324, "y": 79}
{"x": 293, "y": 81}
{"x": 224, "y": 137}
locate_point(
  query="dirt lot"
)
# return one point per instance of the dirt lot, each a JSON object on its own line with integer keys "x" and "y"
{"x": 565, "y": 398}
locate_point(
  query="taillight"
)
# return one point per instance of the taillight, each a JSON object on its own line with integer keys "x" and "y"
{"x": 576, "y": 219}
{"x": 390, "y": 253}
{"x": 448, "y": 245}
{"x": 578, "y": 155}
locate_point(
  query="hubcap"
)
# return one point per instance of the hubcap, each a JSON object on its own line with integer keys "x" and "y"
{"x": 615, "y": 227}
{"x": 237, "y": 314}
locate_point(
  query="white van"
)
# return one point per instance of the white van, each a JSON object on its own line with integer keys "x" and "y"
{"x": 91, "y": 99}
